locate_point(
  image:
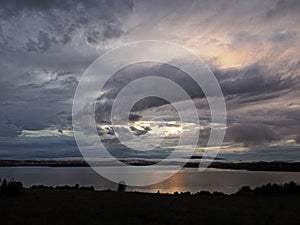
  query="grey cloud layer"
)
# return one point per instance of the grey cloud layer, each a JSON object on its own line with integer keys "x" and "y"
{"x": 45, "y": 47}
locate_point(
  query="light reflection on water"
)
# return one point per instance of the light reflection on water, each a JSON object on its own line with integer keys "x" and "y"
{"x": 227, "y": 181}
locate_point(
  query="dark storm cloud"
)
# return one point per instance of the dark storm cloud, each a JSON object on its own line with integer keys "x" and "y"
{"x": 255, "y": 80}
{"x": 60, "y": 22}
{"x": 131, "y": 73}
{"x": 45, "y": 48}
{"x": 46, "y": 45}
{"x": 247, "y": 85}
{"x": 247, "y": 91}
{"x": 262, "y": 95}
{"x": 251, "y": 134}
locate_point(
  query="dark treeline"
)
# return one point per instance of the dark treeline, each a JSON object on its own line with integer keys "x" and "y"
{"x": 251, "y": 166}
{"x": 50, "y": 163}
{"x": 287, "y": 188}
{"x": 266, "y": 189}
{"x": 66, "y": 187}
{"x": 14, "y": 187}
{"x": 259, "y": 166}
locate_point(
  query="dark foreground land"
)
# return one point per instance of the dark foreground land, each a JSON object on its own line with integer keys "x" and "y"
{"x": 61, "y": 206}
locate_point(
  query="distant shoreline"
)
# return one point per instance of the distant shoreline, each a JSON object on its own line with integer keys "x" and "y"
{"x": 249, "y": 166}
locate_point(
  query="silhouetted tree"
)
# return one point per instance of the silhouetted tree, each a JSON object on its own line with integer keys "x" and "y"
{"x": 203, "y": 193}
{"x": 245, "y": 189}
{"x": 185, "y": 193}
{"x": 12, "y": 187}
{"x": 122, "y": 186}
{"x": 218, "y": 193}
{"x": 3, "y": 185}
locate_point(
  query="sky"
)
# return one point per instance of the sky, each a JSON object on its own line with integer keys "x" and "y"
{"x": 252, "y": 47}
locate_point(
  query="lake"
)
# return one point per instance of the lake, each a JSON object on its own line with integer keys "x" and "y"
{"x": 188, "y": 179}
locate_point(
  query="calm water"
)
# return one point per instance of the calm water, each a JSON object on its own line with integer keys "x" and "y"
{"x": 227, "y": 181}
